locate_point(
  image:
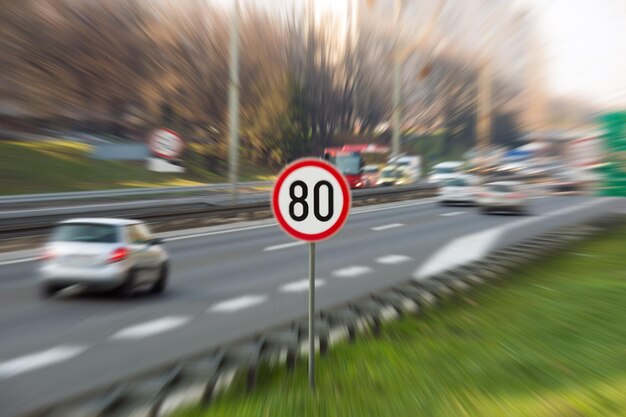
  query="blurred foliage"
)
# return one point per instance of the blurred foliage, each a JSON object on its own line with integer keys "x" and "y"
{"x": 548, "y": 341}
{"x": 123, "y": 67}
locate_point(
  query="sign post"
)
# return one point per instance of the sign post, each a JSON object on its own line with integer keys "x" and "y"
{"x": 311, "y": 202}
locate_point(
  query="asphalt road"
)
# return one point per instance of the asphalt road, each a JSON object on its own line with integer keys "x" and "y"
{"x": 234, "y": 281}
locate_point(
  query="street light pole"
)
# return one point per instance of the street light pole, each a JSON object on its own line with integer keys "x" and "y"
{"x": 397, "y": 63}
{"x": 233, "y": 102}
{"x": 483, "y": 125}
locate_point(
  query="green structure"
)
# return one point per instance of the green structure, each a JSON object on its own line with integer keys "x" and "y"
{"x": 613, "y": 170}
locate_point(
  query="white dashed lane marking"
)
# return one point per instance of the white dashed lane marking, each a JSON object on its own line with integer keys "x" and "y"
{"x": 283, "y": 246}
{"x": 39, "y": 360}
{"x": 393, "y": 259}
{"x": 302, "y": 285}
{"x": 352, "y": 271}
{"x": 387, "y": 226}
{"x": 239, "y": 303}
{"x": 453, "y": 213}
{"x": 150, "y": 328}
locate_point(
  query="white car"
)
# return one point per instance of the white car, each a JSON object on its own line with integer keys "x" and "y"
{"x": 103, "y": 254}
{"x": 461, "y": 189}
{"x": 503, "y": 196}
{"x": 445, "y": 171}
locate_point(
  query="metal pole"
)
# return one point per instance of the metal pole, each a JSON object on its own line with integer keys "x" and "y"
{"x": 395, "y": 115}
{"x": 484, "y": 111}
{"x": 233, "y": 102}
{"x": 312, "y": 315}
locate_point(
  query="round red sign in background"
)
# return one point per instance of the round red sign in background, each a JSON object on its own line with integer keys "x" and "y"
{"x": 166, "y": 144}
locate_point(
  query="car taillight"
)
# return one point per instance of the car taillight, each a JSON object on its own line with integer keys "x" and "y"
{"x": 515, "y": 195}
{"x": 483, "y": 195}
{"x": 117, "y": 255}
{"x": 47, "y": 255}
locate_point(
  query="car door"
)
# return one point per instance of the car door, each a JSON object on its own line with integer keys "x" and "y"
{"x": 152, "y": 253}
{"x": 138, "y": 248}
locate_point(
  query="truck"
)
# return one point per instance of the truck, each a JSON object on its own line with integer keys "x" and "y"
{"x": 401, "y": 170}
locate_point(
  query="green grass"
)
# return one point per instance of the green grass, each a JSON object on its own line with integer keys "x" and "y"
{"x": 550, "y": 341}
{"x": 57, "y": 166}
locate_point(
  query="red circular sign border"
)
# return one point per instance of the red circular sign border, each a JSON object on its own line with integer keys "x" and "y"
{"x": 181, "y": 144}
{"x": 345, "y": 191}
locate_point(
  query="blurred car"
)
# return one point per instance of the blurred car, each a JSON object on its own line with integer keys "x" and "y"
{"x": 445, "y": 170}
{"x": 103, "y": 254}
{"x": 461, "y": 189}
{"x": 503, "y": 196}
{"x": 389, "y": 175}
{"x": 370, "y": 175}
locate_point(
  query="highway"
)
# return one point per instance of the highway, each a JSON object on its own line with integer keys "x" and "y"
{"x": 232, "y": 281}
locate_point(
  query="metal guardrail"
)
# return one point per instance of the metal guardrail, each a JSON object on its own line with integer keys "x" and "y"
{"x": 124, "y": 192}
{"x": 24, "y": 222}
{"x": 194, "y": 380}
{"x": 140, "y": 192}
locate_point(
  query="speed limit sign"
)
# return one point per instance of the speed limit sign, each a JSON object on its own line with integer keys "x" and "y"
{"x": 311, "y": 202}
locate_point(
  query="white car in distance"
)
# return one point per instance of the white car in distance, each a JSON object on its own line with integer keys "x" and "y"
{"x": 503, "y": 196}
{"x": 457, "y": 190}
{"x": 445, "y": 170}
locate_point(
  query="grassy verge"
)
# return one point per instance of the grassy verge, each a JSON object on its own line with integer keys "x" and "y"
{"x": 57, "y": 166}
{"x": 550, "y": 341}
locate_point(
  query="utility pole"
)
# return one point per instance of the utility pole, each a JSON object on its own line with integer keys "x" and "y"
{"x": 398, "y": 60}
{"x": 397, "y": 81}
{"x": 233, "y": 102}
{"x": 483, "y": 123}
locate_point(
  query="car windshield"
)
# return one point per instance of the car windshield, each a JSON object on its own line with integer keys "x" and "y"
{"x": 500, "y": 188}
{"x": 456, "y": 182}
{"x": 445, "y": 170}
{"x": 390, "y": 173}
{"x": 85, "y": 232}
{"x": 349, "y": 165}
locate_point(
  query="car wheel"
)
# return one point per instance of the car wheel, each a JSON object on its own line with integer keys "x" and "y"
{"x": 485, "y": 210}
{"x": 127, "y": 289}
{"x": 159, "y": 286}
{"x": 47, "y": 290}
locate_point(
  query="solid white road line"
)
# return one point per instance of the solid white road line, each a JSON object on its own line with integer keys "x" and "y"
{"x": 239, "y": 303}
{"x": 387, "y": 226}
{"x": 352, "y": 271}
{"x": 220, "y": 232}
{"x": 393, "y": 259}
{"x": 283, "y": 246}
{"x": 18, "y": 261}
{"x": 302, "y": 285}
{"x": 39, "y": 360}
{"x": 150, "y": 328}
{"x": 453, "y": 213}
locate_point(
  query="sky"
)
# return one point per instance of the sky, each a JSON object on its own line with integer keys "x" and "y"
{"x": 585, "y": 48}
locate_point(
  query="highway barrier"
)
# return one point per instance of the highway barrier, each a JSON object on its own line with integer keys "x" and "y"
{"x": 22, "y": 222}
{"x": 196, "y": 379}
{"x": 19, "y": 223}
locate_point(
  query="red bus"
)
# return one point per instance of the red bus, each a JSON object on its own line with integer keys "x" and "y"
{"x": 349, "y": 161}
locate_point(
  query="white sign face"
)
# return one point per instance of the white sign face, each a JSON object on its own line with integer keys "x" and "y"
{"x": 311, "y": 200}
{"x": 166, "y": 144}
